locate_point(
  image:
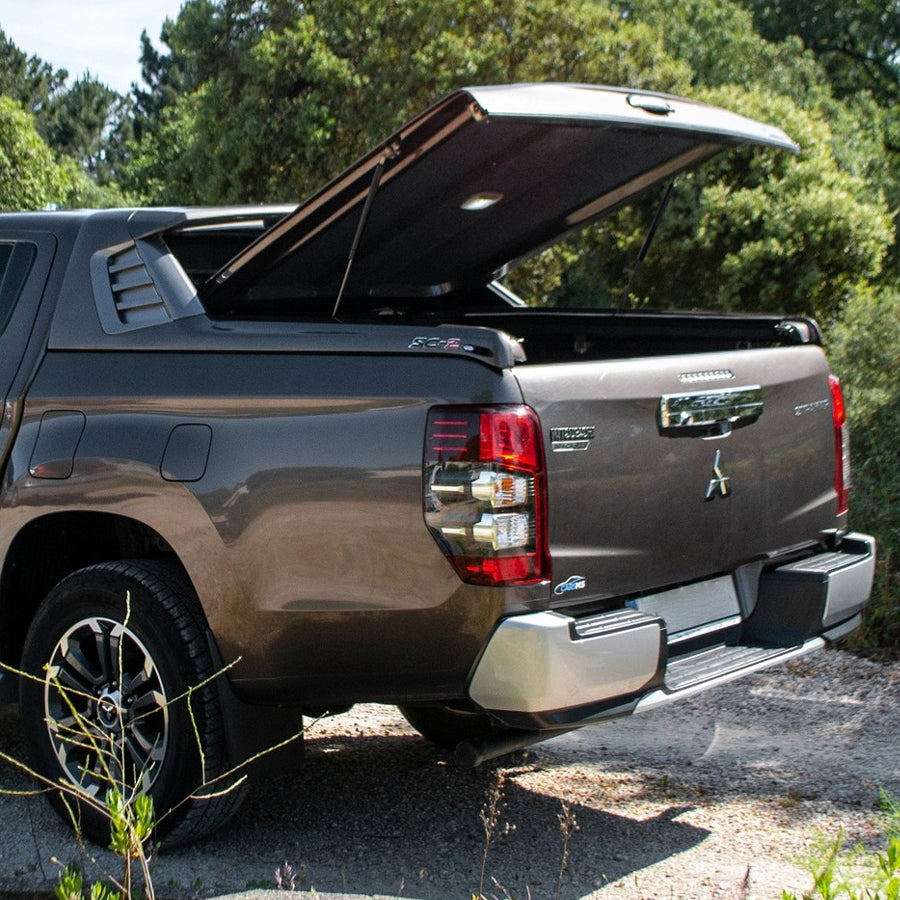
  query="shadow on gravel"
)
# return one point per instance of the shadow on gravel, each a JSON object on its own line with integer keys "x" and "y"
{"x": 387, "y": 815}
{"x": 375, "y": 810}
{"x": 367, "y": 814}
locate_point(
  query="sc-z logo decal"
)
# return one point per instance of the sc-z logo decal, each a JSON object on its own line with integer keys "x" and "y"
{"x": 433, "y": 343}
{"x": 718, "y": 484}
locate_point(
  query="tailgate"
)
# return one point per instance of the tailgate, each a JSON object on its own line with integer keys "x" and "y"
{"x": 648, "y": 488}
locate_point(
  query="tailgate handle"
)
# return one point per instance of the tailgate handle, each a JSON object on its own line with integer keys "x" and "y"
{"x": 727, "y": 407}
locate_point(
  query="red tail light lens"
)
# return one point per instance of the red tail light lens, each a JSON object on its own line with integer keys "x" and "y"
{"x": 841, "y": 446}
{"x": 485, "y": 492}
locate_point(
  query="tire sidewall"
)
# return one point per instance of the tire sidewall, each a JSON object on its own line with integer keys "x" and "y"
{"x": 96, "y": 593}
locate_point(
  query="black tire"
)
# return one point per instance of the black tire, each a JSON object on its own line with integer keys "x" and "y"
{"x": 446, "y": 726}
{"x": 125, "y": 666}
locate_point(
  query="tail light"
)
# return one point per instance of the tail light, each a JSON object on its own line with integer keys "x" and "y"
{"x": 485, "y": 494}
{"x": 841, "y": 446}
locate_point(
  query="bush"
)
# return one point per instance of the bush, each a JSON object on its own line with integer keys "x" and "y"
{"x": 865, "y": 353}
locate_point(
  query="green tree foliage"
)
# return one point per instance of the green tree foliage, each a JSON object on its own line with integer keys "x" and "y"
{"x": 857, "y": 49}
{"x": 865, "y": 351}
{"x": 29, "y": 176}
{"x": 277, "y": 96}
{"x": 857, "y": 44}
{"x": 27, "y": 79}
{"x": 89, "y": 123}
{"x": 756, "y": 230}
{"x": 718, "y": 41}
{"x": 86, "y": 125}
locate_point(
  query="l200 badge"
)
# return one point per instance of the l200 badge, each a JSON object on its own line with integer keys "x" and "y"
{"x": 571, "y": 437}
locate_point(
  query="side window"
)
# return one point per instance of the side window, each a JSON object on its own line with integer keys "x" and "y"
{"x": 15, "y": 263}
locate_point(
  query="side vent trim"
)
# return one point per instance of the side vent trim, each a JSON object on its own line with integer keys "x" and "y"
{"x": 139, "y": 284}
{"x": 135, "y": 298}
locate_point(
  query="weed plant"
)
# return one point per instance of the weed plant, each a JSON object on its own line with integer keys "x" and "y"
{"x": 129, "y": 810}
{"x": 841, "y": 873}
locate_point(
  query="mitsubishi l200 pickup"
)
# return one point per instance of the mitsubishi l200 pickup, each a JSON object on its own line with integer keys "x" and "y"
{"x": 267, "y": 462}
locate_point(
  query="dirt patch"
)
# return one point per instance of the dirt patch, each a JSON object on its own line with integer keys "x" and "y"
{"x": 712, "y": 798}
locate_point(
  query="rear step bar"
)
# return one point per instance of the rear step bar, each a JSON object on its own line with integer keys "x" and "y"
{"x": 690, "y": 674}
{"x": 583, "y": 670}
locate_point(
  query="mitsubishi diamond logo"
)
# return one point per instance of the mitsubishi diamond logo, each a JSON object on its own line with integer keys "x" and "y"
{"x": 718, "y": 484}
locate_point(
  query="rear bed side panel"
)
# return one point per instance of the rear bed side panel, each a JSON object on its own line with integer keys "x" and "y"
{"x": 293, "y": 496}
{"x": 638, "y": 507}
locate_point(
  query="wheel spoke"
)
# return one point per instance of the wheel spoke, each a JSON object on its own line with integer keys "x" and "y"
{"x": 110, "y": 649}
{"x": 63, "y": 726}
{"x": 86, "y": 757}
{"x": 146, "y": 754}
{"x": 105, "y": 707}
{"x": 148, "y": 703}
{"x": 137, "y": 683}
{"x": 74, "y": 671}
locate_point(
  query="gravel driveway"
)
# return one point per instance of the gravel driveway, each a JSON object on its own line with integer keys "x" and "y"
{"x": 696, "y": 800}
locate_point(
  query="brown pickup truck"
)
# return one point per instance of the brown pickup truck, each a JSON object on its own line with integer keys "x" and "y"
{"x": 260, "y": 463}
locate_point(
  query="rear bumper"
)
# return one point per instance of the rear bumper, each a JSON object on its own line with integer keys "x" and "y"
{"x": 549, "y": 671}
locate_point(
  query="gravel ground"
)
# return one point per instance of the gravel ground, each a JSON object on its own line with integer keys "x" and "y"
{"x": 709, "y": 799}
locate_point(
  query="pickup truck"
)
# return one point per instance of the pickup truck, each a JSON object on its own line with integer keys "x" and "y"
{"x": 266, "y": 462}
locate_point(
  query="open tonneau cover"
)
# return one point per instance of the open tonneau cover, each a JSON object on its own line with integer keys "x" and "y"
{"x": 485, "y": 177}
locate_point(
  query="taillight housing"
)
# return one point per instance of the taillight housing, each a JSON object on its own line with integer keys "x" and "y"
{"x": 485, "y": 492}
{"x": 841, "y": 446}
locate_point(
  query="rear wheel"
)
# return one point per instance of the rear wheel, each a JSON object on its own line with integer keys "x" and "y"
{"x": 121, "y": 695}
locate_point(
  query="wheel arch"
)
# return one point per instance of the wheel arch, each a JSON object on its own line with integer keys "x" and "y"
{"x": 50, "y": 547}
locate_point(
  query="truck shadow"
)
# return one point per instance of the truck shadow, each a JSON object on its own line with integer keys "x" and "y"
{"x": 368, "y": 813}
{"x": 375, "y": 809}
{"x": 377, "y": 815}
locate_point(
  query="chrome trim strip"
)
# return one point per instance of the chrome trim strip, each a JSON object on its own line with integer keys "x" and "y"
{"x": 709, "y": 628}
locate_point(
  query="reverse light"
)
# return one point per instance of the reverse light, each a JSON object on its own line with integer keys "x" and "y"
{"x": 510, "y": 531}
{"x": 484, "y": 492}
{"x": 841, "y": 446}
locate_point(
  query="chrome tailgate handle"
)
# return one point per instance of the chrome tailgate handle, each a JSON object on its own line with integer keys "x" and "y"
{"x": 729, "y": 406}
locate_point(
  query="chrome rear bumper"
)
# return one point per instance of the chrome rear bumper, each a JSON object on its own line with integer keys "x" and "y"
{"x": 547, "y": 670}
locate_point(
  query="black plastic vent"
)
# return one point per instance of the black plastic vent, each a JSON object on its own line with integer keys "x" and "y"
{"x": 134, "y": 294}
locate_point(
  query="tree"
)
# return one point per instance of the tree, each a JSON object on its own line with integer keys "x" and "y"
{"x": 89, "y": 122}
{"x": 857, "y": 44}
{"x": 865, "y": 352}
{"x": 29, "y": 176}
{"x": 276, "y": 96}
{"x": 27, "y": 79}
{"x": 857, "y": 49}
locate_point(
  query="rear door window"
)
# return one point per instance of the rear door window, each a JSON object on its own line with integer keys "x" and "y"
{"x": 16, "y": 260}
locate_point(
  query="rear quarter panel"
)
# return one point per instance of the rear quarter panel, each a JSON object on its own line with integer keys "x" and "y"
{"x": 299, "y": 518}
